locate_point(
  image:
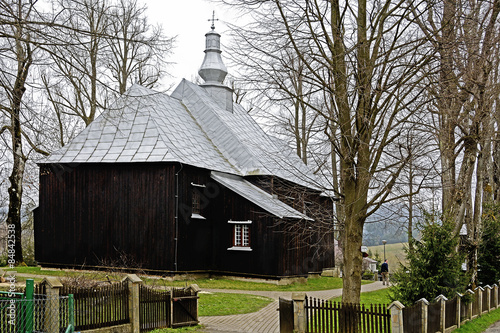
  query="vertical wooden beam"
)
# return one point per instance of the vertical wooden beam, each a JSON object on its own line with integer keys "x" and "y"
{"x": 489, "y": 290}
{"x": 479, "y": 291}
{"x": 459, "y": 309}
{"x": 495, "y": 296}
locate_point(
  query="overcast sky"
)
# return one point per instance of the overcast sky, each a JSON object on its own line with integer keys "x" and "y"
{"x": 188, "y": 19}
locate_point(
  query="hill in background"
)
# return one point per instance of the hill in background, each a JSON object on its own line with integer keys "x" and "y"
{"x": 388, "y": 223}
{"x": 394, "y": 252}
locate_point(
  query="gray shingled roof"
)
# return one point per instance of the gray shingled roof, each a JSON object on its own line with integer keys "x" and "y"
{"x": 188, "y": 127}
{"x": 256, "y": 195}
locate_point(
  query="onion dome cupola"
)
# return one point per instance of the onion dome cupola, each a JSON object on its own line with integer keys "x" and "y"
{"x": 213, "y": 71}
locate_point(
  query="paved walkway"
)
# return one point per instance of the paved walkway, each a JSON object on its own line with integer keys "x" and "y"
{"x": 265, "y": 320}
{"x": 495, "y": 328}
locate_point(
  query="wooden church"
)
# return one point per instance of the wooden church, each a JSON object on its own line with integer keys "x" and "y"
{"x": 181, "y": 183}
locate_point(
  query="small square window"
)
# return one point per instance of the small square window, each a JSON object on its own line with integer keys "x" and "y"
{"x": 241, "y": 235}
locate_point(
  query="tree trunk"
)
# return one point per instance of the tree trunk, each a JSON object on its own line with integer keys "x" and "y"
{"x": 353, "y": 260}
{"x": 24, "y": 60}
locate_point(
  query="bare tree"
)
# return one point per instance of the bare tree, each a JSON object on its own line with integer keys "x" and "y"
{"x": 78, "y": 59}
{"x": 276, "y": 80}
{"x": 464, "y": 36}
{"x": 103, "y": 46}
{"x": 138, "y": 51}
{"x": 365, "y": 59}
{"x": 76, "y": 38}
{"x": 17, "y": 53}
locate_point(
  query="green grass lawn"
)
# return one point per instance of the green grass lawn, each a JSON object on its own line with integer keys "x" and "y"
{"x": 373, "y": 297}
{"x": 481, "y": 323}
{"x": 222, "y": 304}
{"x": 323, "y": 283}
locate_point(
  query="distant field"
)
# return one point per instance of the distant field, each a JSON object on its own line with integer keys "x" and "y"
{"x": 394, "y": 252}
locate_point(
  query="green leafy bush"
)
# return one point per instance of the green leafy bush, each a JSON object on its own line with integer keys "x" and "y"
{"x": 367, "y": 275}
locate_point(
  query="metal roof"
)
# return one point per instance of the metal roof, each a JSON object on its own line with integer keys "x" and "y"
{"x": 256, "y": 195}
{"x": 189, "y": 127}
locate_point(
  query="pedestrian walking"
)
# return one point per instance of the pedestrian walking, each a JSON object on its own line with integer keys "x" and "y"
{"x": 384, "y": 269}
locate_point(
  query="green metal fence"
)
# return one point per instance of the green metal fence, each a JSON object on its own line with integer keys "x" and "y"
{"x": 28, "y": 312}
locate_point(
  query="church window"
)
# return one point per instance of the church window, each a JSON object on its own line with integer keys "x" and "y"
{"x": 196, "y": 201}
{"x": 240, "y": 235}
{"x": 195, "y": 205}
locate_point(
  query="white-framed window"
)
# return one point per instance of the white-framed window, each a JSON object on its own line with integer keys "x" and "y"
{"x": 196, "y": 201}
{"x": 241, "y": 235}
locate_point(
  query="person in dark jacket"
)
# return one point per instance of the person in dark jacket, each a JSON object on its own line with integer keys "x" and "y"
{"x": 384, "y": 269}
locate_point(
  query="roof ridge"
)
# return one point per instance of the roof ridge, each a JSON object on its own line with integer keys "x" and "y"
{"x": 222, "y": 146}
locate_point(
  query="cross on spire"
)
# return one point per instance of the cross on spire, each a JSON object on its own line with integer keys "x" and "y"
{"x": 213, "y": 19}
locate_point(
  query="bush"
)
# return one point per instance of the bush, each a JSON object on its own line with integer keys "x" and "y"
{"x": 489, "y": 248}
{"x": 433, "y": 267}
{"x": 367, "y": 275}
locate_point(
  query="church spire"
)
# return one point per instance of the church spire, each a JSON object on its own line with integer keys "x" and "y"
{"x": 212, "y": 70}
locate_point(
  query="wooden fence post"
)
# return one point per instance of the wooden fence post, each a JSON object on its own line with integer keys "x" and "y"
{"x": 479, "y": 290}
{"x": 424, "y": 308}
{"x": 459, "y": 308}
{"x": 53, "y": 291}
{"x": 195, "y": 289}
{"x": 133, "y": 282}
{"x": 495, "y": 295}
{"x": 442, "y": 299}
{"x": 469, "y": 310}
{"x": 396, "y": 309}
{"x": 299, "y": 312}
{"x": 488, "y": 296}
{"x": 498, "y": 294}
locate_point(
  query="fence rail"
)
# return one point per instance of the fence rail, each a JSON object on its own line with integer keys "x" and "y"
{"x": 98, "y": 307}
{"x": 30, "y": 312}
{"x": 306, "y": 314}
{"x": 167, "y": 308}
{"x": 154, "y": 308}
{"x": 327, "y": 316}
{"x": 184, "y": 307}
{"x": 451, "y": 312}
{"x": 412, "y": 318}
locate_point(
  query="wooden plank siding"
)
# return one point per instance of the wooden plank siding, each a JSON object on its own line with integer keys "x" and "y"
{"x": 92, "y": 213}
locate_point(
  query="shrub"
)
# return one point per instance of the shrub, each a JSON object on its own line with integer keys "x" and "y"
{"x": 433, "y": 267}
{"x": 367, "y": 275}
{"x": 489, "y": 248}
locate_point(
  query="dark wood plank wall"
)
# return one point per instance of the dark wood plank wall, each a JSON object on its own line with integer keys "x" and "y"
{"x": 195, "y": 235}
{"x": 203, "y": 244}
{"x": 95, "y": 213}
{"x": 301, "y": 258}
